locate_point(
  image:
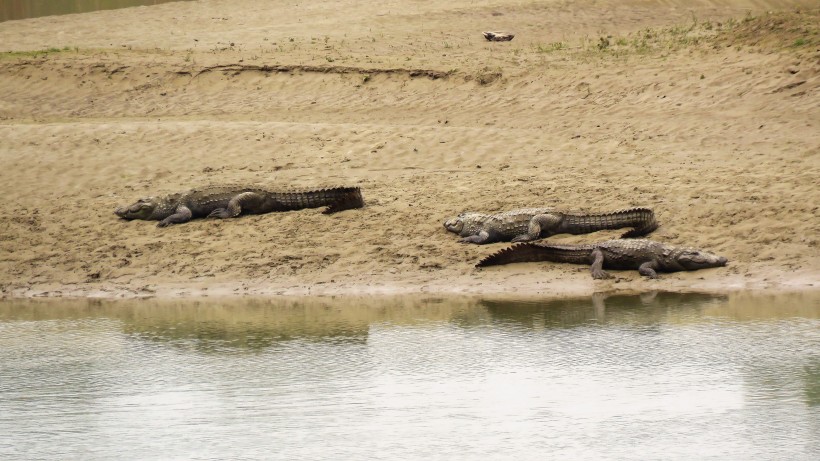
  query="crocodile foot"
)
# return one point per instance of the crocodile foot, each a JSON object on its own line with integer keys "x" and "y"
{"x": 220, "y": 213}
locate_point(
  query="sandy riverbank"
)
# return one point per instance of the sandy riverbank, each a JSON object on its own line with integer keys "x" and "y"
{"x": 708, "y": 114}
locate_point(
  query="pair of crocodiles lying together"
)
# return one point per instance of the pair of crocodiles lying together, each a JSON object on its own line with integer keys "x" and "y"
{"x": 524, "y": 225}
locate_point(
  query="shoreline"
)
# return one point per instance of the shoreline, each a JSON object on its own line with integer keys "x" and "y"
{"x": 567, "y": 288}
{"x": 706, "y": 114}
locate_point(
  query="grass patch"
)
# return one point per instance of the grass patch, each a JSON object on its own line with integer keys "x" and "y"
{"x": 550, "y": 47}
{"x": 38, "y": 53}
{"x": 771, "y": 31}
{"x": 776, "y": 31}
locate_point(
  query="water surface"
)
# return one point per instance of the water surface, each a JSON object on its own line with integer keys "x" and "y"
{"x": 24, "y": 9}
{"x": 657, "y": 376}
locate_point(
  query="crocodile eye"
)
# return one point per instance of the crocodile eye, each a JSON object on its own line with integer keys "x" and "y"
{"x": 697, "y": 256}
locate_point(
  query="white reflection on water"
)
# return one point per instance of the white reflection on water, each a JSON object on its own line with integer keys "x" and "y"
{"x": 654, "y": 377}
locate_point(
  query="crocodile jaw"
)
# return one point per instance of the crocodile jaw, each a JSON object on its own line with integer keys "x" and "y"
{"x": 694, "y": 259}
{"x": 141, "y": 209}
{"x": 454, "y": 225}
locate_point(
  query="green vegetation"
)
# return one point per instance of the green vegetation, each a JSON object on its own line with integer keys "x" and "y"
{"x": 37, "y": 53}
{"x": 550, "y": 47}
{"x": 772, "y": 30}
{"x": 794, "y": 31}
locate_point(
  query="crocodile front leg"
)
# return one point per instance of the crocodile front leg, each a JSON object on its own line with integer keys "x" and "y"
{"x": 539, "y": 224}
{"x": 597, "y": 268}
{"x": 181, "y": 215}
{"x": 247, "y": 200}
{"x": 648, "y": 268}
{"x": 480, "y": 237}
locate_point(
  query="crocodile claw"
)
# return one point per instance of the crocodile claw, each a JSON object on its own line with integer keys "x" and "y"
{"x": 601, "y": 275}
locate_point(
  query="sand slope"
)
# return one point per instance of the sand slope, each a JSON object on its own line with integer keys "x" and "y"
{"x": 712, "y": 121}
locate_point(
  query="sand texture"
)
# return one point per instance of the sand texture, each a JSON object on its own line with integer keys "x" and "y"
{"x": 708, "y": 112}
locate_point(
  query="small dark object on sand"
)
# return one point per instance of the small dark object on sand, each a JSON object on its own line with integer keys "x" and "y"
{"x": 498, "y": 36}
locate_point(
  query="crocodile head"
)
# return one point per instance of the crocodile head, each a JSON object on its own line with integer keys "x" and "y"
{"x": 455, "y": 224}
{"x": 692, "y": 259}
{"x": 467, "y": 223}
{"x": 143, "y": 208}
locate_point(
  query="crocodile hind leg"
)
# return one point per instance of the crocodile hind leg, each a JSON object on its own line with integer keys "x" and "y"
{"x": 181, "y": 215}
{"x": 597, "y": 267}
{"x": 539, "y": 225}
{"x": 249, "y": 201}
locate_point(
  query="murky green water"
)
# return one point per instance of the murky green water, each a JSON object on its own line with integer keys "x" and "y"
{"x": 24, "y": 9}
{"x": 669, "y": 376}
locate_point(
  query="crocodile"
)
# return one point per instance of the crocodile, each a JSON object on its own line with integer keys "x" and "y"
{"x": 647, "y": 256}
{"x": 533, "y": 223}
{"x": 231, "y": 201}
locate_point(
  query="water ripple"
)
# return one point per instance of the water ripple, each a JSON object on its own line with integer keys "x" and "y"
{"x": 651, "y": 377}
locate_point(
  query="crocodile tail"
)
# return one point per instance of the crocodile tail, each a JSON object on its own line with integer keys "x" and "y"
{"x": 343, "y": 198}
{"x": 644, "y": 222}
{"x": 335, "y": 199}
{"x": 640, "y": 219}
{"x": 536, "y": 252}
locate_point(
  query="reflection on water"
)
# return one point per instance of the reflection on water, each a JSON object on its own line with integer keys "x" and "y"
{"x": 23, "y": 9}
{"x": 655, "y": 376}
{"x": 647, "y": 309}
